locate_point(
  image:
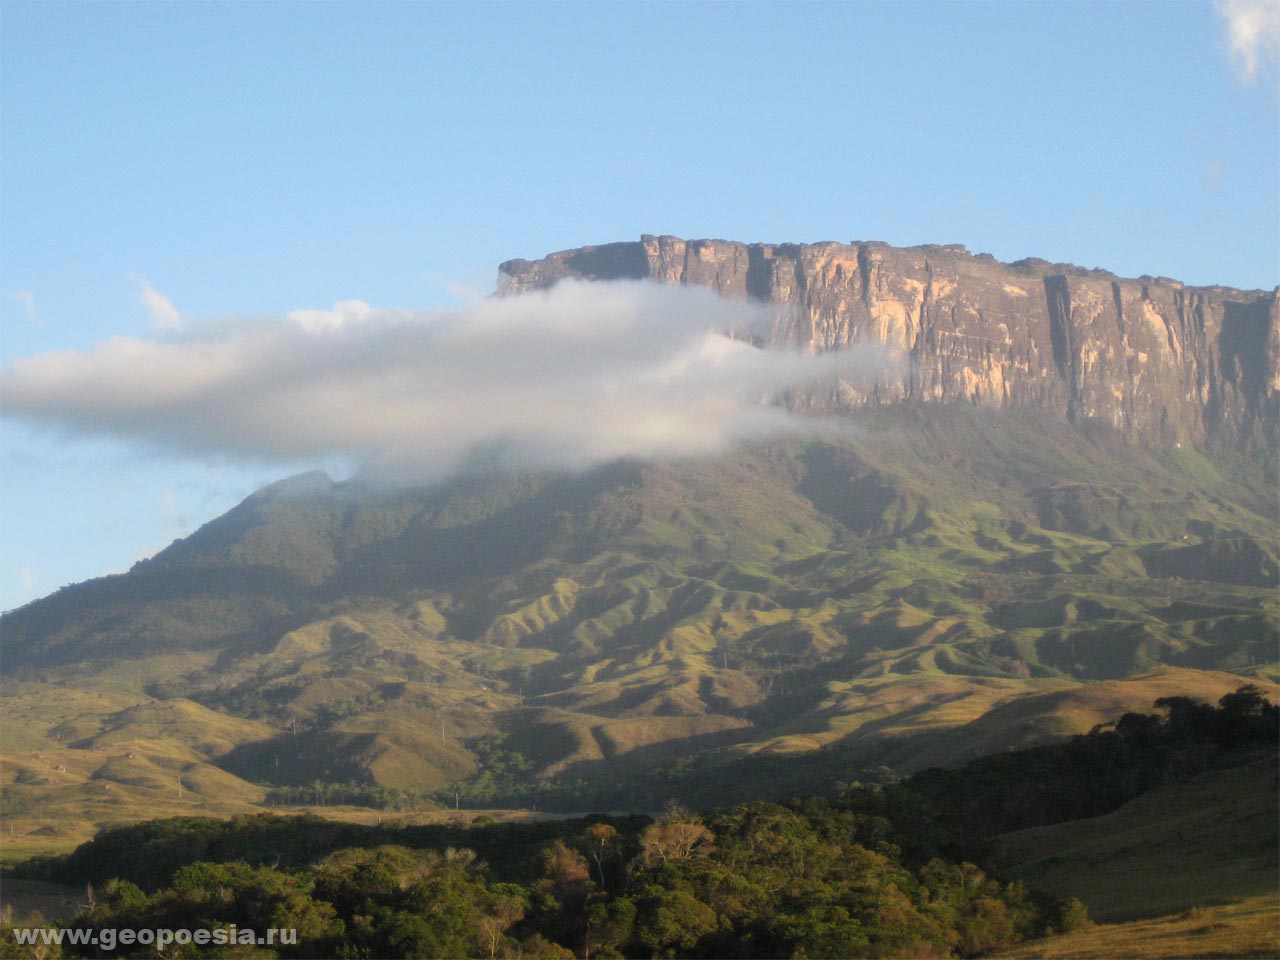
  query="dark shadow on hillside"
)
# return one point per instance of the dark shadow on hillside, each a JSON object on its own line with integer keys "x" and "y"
{"x": 649, "y": 757}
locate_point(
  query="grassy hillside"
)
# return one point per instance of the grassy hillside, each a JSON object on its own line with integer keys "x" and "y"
{"x": 1247, "y": 928}
{"x": 917, "y": 587}
{"x": 1210, "y": 841}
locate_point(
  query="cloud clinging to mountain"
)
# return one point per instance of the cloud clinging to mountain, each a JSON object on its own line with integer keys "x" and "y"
{"x": 577, "y": 375}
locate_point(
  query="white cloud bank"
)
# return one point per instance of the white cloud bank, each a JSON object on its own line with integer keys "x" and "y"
{"x": 578, "y": 375}
{"x": 1253, "y": 33}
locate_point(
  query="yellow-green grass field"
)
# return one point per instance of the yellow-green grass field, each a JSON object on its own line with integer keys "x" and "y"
{"x": 1186, "y": 870}
{"x": 1246, "y": 928}
{"x": 1213, "y": 840}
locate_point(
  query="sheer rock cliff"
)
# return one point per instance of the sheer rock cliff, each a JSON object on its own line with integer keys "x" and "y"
{"x": 1157, "y": 360}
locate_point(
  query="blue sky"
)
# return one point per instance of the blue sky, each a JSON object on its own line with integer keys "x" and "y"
{"x": 167, "y": 164}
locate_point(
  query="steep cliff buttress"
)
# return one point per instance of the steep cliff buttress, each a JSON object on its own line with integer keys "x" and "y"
{"x": 1159, "y": 361}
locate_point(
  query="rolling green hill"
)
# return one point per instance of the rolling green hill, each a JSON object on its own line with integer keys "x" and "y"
{"x": 912, "y": 586}
{"x": 1210, "y": 841}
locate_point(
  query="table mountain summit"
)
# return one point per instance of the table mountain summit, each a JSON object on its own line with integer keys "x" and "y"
{"x": 1157, "y": 360}
{"x": 982, "y": 567}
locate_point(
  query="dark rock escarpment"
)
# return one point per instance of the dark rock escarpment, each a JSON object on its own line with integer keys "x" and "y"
{"x": 1158, "y": 361}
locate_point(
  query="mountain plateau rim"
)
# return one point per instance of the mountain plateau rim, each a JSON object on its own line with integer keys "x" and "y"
{"x": 1160, "y": 362}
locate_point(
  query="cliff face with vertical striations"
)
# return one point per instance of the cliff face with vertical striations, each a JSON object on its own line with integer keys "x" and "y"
{"x": 1159, "y": 361}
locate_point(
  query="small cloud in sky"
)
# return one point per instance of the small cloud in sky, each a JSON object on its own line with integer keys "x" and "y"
{"x": 28, "y": 581}
{"x": 458, "y": 291}
{"x": 1253, "y": 34}
{"x": 27, "y": 300}
{"x": 164, "y": 315}
{"x": 566, "y": 378}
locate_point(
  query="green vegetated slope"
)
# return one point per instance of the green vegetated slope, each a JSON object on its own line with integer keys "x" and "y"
{"x": 881, "y": 871}
{"x": 1246, "y": 928}
{"x": 1210, "y": 841}
{"x": 918, "y": 586}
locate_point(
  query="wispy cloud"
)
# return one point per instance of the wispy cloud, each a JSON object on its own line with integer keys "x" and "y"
{"x": 578, "y": 375}
{"x": 460, "y": 292}
{"x": 1253, "y": 34}
{"x": 28, "y": 581}
{"x": 164, "y": 315}
{"x": 27, "y": 300}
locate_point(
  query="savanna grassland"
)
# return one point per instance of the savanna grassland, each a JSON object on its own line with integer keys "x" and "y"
{"x": 914, "y": 587}
{"x": 882, "y": 872}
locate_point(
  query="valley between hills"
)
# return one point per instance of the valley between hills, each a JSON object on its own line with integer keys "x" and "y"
{"x": 919, "y": 584}
{"x": 936, "y": 585}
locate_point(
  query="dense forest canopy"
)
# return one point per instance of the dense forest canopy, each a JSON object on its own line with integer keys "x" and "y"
{"x": 878, "y": 872}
